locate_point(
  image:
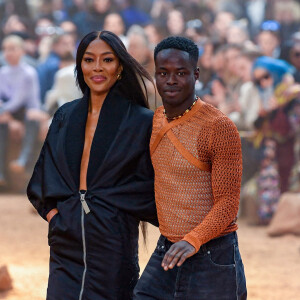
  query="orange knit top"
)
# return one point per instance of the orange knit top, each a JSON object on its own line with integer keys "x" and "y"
{"x": 197, "y": 162}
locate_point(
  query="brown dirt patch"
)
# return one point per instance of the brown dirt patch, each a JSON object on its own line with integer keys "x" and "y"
{"x": 272, "y": 265}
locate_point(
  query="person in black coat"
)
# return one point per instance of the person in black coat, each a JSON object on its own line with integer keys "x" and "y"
{"x": 93, "y": 181}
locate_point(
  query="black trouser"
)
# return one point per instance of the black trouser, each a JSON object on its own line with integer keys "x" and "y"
{"x": 215, "y": 272}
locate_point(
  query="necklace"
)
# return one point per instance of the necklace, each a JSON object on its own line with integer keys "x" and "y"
{"x": 181, "y": 115}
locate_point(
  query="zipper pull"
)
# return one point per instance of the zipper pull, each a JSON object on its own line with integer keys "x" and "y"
{"x": 83, "y": 202}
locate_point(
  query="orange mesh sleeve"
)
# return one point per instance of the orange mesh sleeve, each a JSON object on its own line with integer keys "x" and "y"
{"x": 226, "y": 158}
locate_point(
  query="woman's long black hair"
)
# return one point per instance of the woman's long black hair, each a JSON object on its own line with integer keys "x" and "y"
{"x": 132, "y": 83}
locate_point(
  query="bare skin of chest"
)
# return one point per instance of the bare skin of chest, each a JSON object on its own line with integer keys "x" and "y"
{"x": 90, "y": 129}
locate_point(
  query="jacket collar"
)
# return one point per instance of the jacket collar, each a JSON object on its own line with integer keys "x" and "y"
{"x": 113, "y": 111}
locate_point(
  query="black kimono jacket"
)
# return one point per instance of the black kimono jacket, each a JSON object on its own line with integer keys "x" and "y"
{"x": 95, "y": 255}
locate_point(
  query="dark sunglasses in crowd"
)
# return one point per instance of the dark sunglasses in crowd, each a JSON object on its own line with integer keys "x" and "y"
{"x": 296, "y": 54}
{"x": 257, "y": 81}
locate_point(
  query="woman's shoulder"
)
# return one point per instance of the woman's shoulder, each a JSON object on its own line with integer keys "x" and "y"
{"x": 141, "y": 112}
{"x": 65, "y": 109}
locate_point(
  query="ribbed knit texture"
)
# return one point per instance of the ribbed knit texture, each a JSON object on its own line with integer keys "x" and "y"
{"x": 192, "y": 204}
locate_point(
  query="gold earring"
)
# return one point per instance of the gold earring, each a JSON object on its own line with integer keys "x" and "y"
{"x": 119, "y": 76}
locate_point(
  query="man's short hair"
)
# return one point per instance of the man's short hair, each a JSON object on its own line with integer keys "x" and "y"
{"x": 180, "y": 43}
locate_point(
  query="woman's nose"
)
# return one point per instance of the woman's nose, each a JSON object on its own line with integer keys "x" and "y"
{"x": 98, "y": 65}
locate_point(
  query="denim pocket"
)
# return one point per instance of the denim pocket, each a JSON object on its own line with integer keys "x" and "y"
{"x": 160, "y": 247}
{"x": 222, "y": 257}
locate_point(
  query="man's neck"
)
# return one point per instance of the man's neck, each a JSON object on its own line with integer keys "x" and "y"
{"x": 173, "y": 112}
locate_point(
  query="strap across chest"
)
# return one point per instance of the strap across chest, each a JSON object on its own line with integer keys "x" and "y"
{"x": 166, "y": 130}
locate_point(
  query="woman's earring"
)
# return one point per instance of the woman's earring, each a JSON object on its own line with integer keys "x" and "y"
{"x": 119, "y": 76}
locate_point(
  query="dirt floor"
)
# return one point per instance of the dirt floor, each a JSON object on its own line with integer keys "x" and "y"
{"x": 272, "y": 265}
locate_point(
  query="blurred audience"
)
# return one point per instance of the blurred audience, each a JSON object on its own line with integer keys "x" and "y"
{"x": 114, "y": 22}
{"x": 241, "y": 45}
{"x": 61, "y": 45}
{"x": 19, "y": 102}
{"x": 275, "y": 130}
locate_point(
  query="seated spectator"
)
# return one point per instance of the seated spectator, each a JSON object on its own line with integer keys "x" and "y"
{"x": 62, "y": 45}
{"x": 19, "y": 101}
{"x": 276, "y": 131}
{"x": 268, "y": 40}
{"x": 237, "y": 32}
{"x": 68, "y": 27}
{"x": 140, "y": 48}
{"x": 131, "y": 14}
{"x": 220, "y": 26}
{"x": 197, "y": 33}
{"x": 248, "y": 98}
{"x": 114, "y": 22}
{"x": 294, "y": 57}
{"x": 64, "y": 77}
{"x": 205, "y": 63}
{"x": 175, "y": 22}
{"x": 92, "y": 17}
{"x": 226, "y": 85}
{"x": 155, "y": 32}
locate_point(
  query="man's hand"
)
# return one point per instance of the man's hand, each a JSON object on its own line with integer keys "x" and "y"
{"x": 177, "y": 254}
{"x": 51, "y": 214}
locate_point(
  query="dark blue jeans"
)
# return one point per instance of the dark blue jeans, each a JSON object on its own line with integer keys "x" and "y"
{"x": 215, "y": 272}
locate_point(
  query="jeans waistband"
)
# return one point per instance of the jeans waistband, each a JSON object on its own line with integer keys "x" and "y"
{"x": 219, "y": 242}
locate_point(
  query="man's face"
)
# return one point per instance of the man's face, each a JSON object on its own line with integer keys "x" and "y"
{"x": 175, "y": 76}
{"x": 65, "y": 45}
{"x": 267, "y": 41}
{"x": 13, "y": 52}
{"x": 244, "y": 68}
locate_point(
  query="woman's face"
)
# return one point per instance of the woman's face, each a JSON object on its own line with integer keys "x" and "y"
{"x": 262, "y": 78}
{"x": 100, "y": 67}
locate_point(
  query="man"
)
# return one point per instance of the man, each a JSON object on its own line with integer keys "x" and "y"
{"x": 19, "y": 101}
{"x": 196, "y": 154}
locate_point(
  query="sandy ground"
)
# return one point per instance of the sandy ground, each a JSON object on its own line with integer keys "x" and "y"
{"x": 272, "y": 265}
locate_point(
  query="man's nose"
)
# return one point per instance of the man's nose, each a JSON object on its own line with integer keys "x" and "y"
{"x": 172, "y": 79}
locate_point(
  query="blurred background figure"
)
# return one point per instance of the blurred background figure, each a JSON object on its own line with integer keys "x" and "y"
{"x": 92, "y": 17}
{"x": 140, "y": 48}
{"x": 132, "y": 13}
{"x": 230, "y": 35}
{"x": 19, "y": 105}
{"x": 175, "y": 22}
{"x": 64, "y": 88}
{"x": 222, "y": 21}
{"x": 114, "y": 22}
{"x": 294, "y": 58}
{"x": 276, "y": 131}
{"x": 155, "y": 32}
{"x": 237, "y": 32}
{"x": 268, "y": 40}
{"x": 62, "y": 45}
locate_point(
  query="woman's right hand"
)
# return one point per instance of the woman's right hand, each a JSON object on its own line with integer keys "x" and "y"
{"x": 51, "y": 214}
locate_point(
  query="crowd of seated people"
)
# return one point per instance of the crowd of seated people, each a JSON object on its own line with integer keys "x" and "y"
{"x": 249, "y": 59}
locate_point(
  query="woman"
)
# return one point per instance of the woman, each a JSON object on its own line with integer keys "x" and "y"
{"x": 276, "y": 131}
{"x": 93, "y": 181}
